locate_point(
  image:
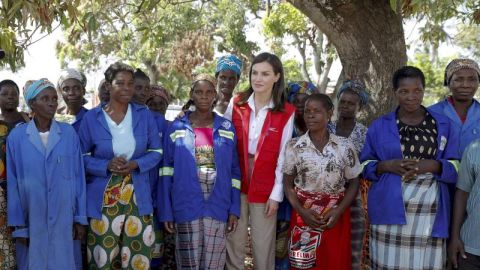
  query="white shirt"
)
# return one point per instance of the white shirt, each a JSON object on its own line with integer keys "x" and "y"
{"x": 123, "y": 141}
{"x": 44, "y": 137}
{"x": 254, "y": 131}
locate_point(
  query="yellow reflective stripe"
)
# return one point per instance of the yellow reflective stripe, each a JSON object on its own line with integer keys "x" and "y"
{"x": 455, "y": 163}
{"x": 177, "y": 134}
{"x": 159, "y": 150}
{"x": 166, "y": 171}
{"x": 87, "y": 154}
{"x": 226, "y": 134}
{"x": 236, "y": 183}
{"x": 366, "y": 162}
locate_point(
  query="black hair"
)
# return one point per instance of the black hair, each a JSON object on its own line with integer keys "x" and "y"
{"x": 9, "y": 83}
{"x": 407, "y": 72}
{"x": 139, "y": 74}
{"x": 322, "y": 98}
{"x": 279, "y": 96}
{"x": 101, "y": 85}
{"x": 115, "y": 68}
{"x": 187, "y": 105}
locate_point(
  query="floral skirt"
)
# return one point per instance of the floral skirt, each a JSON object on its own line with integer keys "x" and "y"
{"x": 122, "y": 239}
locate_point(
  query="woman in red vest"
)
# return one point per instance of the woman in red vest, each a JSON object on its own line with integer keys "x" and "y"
{"x": 264, "y": 123}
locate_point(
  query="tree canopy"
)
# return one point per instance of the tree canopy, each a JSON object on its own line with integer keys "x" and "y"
{"x": 173, "y": 39}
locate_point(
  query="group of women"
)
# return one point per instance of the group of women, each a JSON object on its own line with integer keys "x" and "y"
{"x": 96, "y": 192}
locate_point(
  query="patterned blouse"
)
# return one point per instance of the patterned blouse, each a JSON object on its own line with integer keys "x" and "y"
{"x": 324, "y": 171}
{"x": 419, "y": 141}
{"x": 357, "y": 137}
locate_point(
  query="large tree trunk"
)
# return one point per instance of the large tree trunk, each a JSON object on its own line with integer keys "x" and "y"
{"x": 301, "y": 47}
{"x": 369, "y": 39}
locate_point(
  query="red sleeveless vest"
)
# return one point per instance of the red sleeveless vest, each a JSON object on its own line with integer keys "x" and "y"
{"x": 260, "y": 185}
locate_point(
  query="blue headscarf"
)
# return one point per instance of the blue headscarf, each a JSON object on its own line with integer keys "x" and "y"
{"x": 36, "y": 88}
{"x": 229, "y": 62}
{"x": 302, "y": 87}
{"x": 358, "y": 88}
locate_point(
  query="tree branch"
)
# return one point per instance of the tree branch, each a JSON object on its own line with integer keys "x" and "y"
{"x": 33, "y": 42}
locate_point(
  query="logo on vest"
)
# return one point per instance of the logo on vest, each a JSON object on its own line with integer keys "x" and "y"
{"x": 226, "y": 124}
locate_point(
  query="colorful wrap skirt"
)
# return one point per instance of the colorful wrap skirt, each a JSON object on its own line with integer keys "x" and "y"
{"x": 312, "y": 248}
{"x": 7, "y": 250}
{"x": 122, "y": 239}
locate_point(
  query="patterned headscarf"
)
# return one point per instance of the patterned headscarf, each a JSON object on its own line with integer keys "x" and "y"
{"x": 302, "y": 87}
{"x": 229, "y": 62}
{"x": 36, "y": 88}
{"x": 70, "y": 73}
{"x": 358, "y": 88}
{"x": 457, "y": 64}
{"x": 160, "y": 91}
{"x": 204, "y": 77}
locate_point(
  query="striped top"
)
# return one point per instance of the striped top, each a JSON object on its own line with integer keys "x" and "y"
{"x": 469, "y": 181}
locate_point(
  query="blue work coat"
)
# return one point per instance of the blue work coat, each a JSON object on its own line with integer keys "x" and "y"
{"x": 96, "y": 141}
{"x": 46, "y": 193}
{"x": 385, "y": 199}
{"x": 78, "y": 119}
{"x": 468, "y": 131}
{"x": 162, "y": 126}
{"x": 180, "y": 197}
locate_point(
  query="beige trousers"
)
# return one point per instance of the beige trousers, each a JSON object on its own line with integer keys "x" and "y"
{"x": 262, "y": 233}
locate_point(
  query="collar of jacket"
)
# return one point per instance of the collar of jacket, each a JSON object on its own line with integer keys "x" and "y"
{"x": 136, "y": 117}
{"x": 218, "y": 122}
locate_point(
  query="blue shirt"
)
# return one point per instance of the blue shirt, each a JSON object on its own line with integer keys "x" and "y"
{"x": 385, "y": 199}
{"x": 46, "y": 192}
{"x": 468, "y": 131}
{"x": 96, "y": 142}
{"x": 469, "y": 181}
{"x": 180, "y": 197}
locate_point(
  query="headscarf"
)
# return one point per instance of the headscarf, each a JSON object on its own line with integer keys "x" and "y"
{"x": 229, "y": 62}
{"x": 358, "y": 88}
{"x": 36, "y": 88}
{"x": 199, "y": 77}
{"x": 457, "y": 64}
{"x": 204, "y": 77}
{"x": 70, "y": 73}
{"x": 301, "y": 87}
{"x": 160, "y": 91}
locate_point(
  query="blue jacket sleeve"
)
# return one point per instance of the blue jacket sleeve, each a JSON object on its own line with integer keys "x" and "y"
{"x": 154, "y": 152}
{"x": 94, "y": 166}
{"x": 369, "y": 157}
{"x": 80, "y": 214}
{"x": 450, "y": 158}
{"x": 15, "y": 212}
{"x": 154, "y": 173}
{"x": 236, "y": 183}
{"x": 164, "y": 187}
